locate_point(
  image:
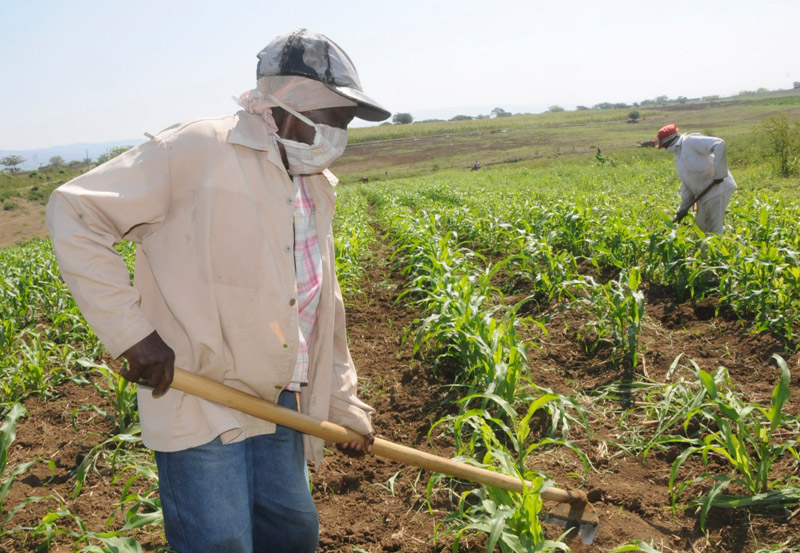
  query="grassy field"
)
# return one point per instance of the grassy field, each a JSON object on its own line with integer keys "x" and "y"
{"x": 539, "y": 140}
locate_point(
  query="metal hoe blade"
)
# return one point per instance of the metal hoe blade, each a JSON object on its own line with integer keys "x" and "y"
{"x": 580, "y": 518}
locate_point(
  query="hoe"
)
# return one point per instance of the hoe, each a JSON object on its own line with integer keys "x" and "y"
{"x": 573, "y": 511}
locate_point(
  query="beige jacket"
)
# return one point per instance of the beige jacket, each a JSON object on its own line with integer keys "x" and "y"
{"x": 209, "y": 204}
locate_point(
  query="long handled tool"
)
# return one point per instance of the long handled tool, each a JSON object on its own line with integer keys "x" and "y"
{"x": 574, "y": 510}
{"x": 683, "y": 212}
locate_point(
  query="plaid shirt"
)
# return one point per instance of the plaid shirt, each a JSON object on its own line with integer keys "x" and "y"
{"x": 308, "y": 268}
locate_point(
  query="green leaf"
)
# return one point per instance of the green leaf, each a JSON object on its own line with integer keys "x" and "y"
{"x": 120, "y": 545}
{"x": 708, "y": 383}
{"x": 635, "y": 545}
{"x": 779, "y": 397}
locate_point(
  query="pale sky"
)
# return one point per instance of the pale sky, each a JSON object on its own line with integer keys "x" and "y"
{"x": 101, "y": 70}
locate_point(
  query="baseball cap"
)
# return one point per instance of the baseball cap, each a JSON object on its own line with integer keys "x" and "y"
{"x": 666, "y": 132}
{"x": 306, "y": 54}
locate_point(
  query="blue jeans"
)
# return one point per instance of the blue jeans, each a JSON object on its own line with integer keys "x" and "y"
{"x": 247, "y": 497}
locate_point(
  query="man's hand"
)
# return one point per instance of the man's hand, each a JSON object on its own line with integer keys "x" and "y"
{"x": 682, "y": 213}
{"x": 150, "y": 363}
{"x": 351, "y": 448}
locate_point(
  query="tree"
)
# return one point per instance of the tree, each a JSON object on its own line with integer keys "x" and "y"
{"x": 112, "y": 153}
{"x": 500, "y": 112}
{"x": 581, "y": 108}
{"x": 555, "y": 109}
{"x": 633, "y": 117}
{"x": 57, "y": 162}
{"x": 11, "y": 162}
{"x": 402, "y": 118}
{"x": 461, "y": 118}
{"x": 796, "y": 84}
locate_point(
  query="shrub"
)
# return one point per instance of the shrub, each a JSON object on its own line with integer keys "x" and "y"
{"x": 783, "y": 142}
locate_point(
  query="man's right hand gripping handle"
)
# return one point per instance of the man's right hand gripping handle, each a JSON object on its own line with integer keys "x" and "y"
{"x": 150, "y": 363}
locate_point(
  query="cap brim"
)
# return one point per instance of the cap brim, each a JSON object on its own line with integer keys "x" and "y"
{"x": 368, "y": 109}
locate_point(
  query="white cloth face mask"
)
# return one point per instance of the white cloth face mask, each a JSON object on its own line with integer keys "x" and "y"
{"x": 308, "y": 159}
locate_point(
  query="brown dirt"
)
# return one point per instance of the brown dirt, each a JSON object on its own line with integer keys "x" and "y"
{"x": 377, "y": 505}
{"x": 21, "y": 223}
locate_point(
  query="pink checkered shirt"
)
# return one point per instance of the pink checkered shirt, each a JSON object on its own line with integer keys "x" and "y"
{"x": 308, "y": 268}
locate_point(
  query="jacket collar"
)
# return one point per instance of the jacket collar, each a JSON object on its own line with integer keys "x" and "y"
{"x": 250, "y": 131}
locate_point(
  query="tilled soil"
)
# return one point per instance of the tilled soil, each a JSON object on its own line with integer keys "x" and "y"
{"x": 370, "y": 504}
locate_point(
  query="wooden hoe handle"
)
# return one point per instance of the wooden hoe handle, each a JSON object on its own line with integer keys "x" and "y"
{"x": 246, "y": 403}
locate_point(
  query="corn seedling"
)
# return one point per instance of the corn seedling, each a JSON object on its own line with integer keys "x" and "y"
{"x": 503, "y": 443}
{"x": 121, "y": 394}
{"x": 618, "y": 308}
{"x": 111, "y": 448}
{"x": 8, "y": 432}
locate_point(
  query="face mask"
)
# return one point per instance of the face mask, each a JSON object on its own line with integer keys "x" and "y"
{"x": 673, "y": 147}
{"x": 307, "y": 159}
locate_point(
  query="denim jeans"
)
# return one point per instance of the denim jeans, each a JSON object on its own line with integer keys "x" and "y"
{"x": 246, "y": 497}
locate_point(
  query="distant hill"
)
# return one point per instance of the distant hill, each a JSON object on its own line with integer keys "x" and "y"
{"x": 70, "y": 152}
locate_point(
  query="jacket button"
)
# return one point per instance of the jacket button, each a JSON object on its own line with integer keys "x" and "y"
{"x": 292, "y": 301}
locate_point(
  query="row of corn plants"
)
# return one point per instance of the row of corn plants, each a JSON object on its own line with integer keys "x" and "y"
{"x": 353, "y": 236}
{"x": 465, "y": 329}
{"x": 561, "y": 237}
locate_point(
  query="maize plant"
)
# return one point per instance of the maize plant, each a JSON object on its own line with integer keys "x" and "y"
{"x": 618, "y": 309}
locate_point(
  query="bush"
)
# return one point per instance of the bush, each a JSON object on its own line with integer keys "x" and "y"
{"x": 783, "y": 142}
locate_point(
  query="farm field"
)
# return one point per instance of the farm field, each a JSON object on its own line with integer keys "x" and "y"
{"x": 543, "y": 318}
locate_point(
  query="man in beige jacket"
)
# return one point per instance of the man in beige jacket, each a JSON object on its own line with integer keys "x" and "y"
{"x": 235, "y": 280}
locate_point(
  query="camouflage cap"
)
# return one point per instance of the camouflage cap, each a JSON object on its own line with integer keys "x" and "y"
{"x": 315, "y": 56}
